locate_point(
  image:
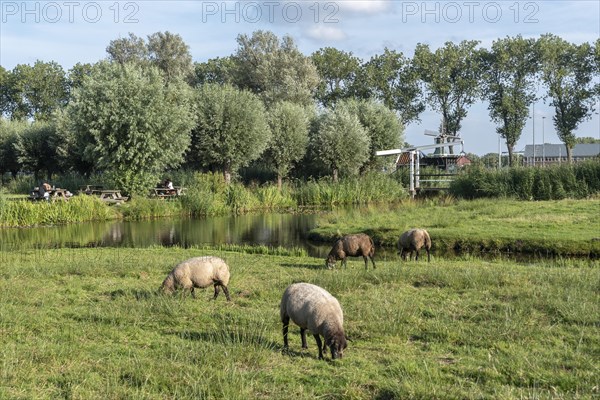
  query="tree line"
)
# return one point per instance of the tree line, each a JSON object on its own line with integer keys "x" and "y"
{"x": 148, "y": 108}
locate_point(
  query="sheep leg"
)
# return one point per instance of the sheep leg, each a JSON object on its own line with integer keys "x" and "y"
{"x": 366, "y": 262}
{"x": 344, "y": 265}
{"x": 192, "y": 292}
{"x": 303, "y": 336}
{"x": 216, "y": 291}
{"x": 319, "y": 345}
{"x": 373, "y": 261}
{"x": 226, "y": 291}
{"x": 428, "y": 257}
{"x": 286, "y": 323}
{"x": 417, "y": 256}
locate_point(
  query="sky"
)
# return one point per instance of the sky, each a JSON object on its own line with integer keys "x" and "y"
{"x": 73, "y": 31}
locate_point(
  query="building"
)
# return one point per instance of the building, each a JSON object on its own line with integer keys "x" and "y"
{"x": 549, "y": 154}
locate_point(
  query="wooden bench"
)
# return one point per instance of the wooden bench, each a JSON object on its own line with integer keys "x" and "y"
{"x": 164, "y": 193}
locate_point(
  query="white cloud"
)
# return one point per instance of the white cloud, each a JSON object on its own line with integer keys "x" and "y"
{"x": 329, "y": 33}
{"x": 364, "y": 6}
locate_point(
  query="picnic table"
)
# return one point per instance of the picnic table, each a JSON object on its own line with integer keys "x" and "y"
{"x": 54, "y": 194}
{"x": 165, "y": 193}
{"x": 109, "y": 196}
{"x": 88, "y": 189}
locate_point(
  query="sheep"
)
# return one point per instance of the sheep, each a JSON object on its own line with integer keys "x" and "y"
{"x": 198, "y": 272}
{"x": 312, "y": 307}
{"x": 351, "y": 245}
{"x": 414, "y": 240}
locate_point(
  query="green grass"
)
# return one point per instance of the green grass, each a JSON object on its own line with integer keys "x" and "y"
{"x": 89, "y": 324}
{"x": 565, "y": 227}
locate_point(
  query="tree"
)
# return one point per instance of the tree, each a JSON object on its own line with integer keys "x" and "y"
{"x": 567, "y": 71}
{"x": 451, "y": 77}
{"x": 10, "y": 131}
{"x": 587, "y": 140}
{"x": 384, "y": 129}
{"x": 129, "y": 124}
{"x": 337, "y": 70}
{"x": 275, "y": 71}
{"x": 289, "y": 128}
{"x": 77, "y": 74}
{"x": 597, "y": 65}
{"x": 392, "y": 79}
{"x": 340, "y": 143}
{"x": 231, "y": 128}
{"x": 36, "y": 148}
{"x": 5, "y": 97}
{"x": 171, "y": 55}
{"x": 510, "y": 67}
{"x": 36, "y": 91}
{"x": 216, "y": 70}
{"x": 132, "y": 49}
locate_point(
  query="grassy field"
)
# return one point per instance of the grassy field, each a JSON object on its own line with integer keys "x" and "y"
{"x": 89, "y": 324}
{"x": 565, "y": 227}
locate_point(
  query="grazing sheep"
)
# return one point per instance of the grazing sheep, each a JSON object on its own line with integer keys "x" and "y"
{"x": 198, "y": 272}
{"x": 312, "y": 307}
{"x": 351, "y": 245}
{"x": 414, "y": 240}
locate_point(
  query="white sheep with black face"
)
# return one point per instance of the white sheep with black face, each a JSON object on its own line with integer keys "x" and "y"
{"x": 414, "y": 240}
{"x": 198, "y": 272}
{"x": 315, "y": 309}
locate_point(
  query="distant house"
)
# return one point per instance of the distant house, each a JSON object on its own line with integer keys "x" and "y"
{"x": 549, "y": 154}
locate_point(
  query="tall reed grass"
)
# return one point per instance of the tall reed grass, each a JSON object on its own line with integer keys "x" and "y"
{"x": 77, "y": 209}
{"x": 526, "y": 183}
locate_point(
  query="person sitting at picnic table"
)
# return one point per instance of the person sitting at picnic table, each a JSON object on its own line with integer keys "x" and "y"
{"x": 169, "y": 185}
{"x": 44, "y": 191}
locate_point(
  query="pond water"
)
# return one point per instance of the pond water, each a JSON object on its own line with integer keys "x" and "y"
{"x": 286, "y": 230}
{"x": 272, "y": 230}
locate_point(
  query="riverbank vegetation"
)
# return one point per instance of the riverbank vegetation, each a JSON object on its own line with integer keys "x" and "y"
{"x": 567, "y": 227}
{"x": 88, "y": 323}
{"x": 208, "y": 194}
{"x": 555, "y": 182}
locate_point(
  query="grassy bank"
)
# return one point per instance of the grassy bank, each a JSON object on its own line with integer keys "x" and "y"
{"x": 87, "y": 323}
{"x": 549, "y": 227}
{"x": 207, "y": 195}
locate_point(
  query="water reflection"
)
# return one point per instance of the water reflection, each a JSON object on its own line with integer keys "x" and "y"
{"x": 286, "y": 230}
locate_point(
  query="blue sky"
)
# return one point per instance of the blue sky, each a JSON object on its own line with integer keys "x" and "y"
{"x": 74, "y": 31}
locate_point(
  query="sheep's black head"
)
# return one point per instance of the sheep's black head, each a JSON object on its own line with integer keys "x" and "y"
{"x": 330, "y": 261}
{"x": 337, "y": 345}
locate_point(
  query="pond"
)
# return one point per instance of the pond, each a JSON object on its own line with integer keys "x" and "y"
{"x": 271, "y": 230}
{"x": 286, "y": 230}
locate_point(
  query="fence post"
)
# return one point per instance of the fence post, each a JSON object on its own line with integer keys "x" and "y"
{"x": 417, "y": 170}
{"x": 411, "y": 185}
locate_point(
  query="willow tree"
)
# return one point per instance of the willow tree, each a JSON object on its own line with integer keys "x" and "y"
{"x": 129, "y": 124}
{"x": 382, "y": 126}
{"x": 289, "y": 128}
{"x": 231, "y": 129}
{"x": 340, "y": 142}
{"x": 567, "y": 72}
{"x": 510, "y": 70}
